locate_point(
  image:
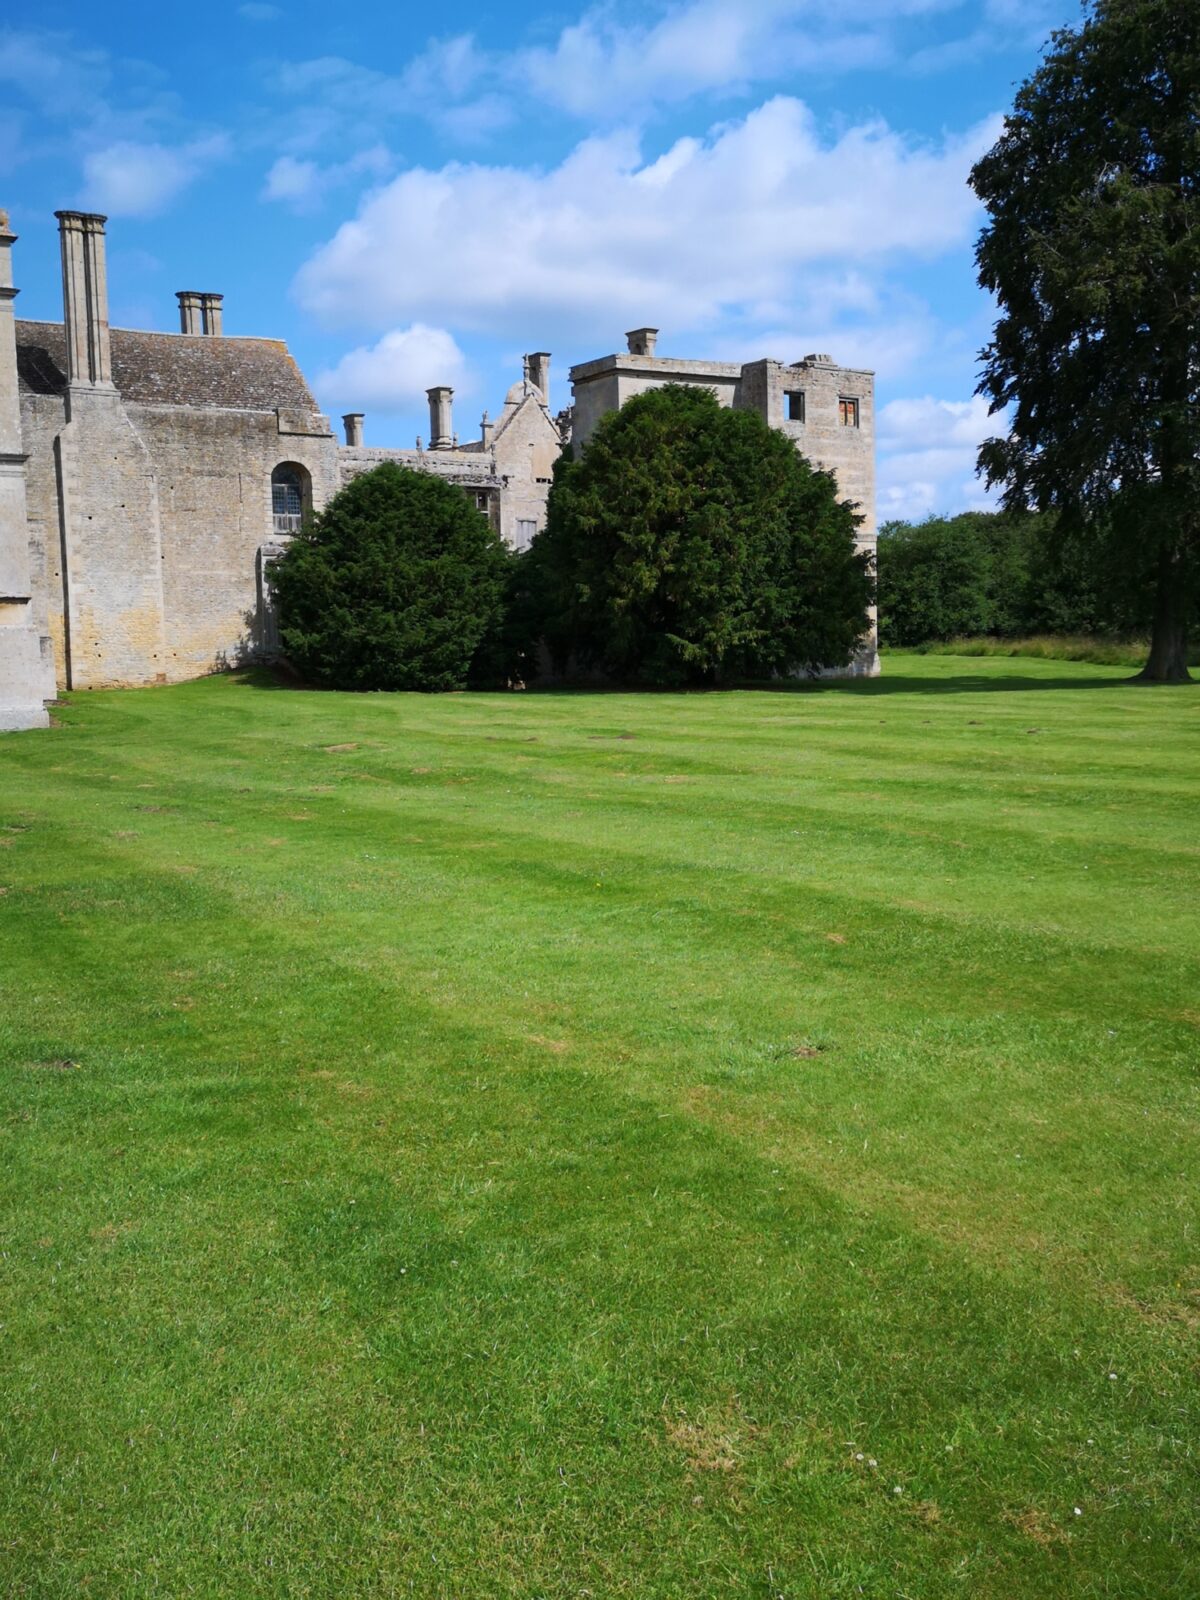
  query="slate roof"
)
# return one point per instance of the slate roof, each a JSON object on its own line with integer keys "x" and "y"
{"x": 173, "y": 369}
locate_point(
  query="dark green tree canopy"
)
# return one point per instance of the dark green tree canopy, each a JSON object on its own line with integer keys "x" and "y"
{"x": 690, "y": 543}
{"x": 1006, "y": 574}
{"x": 1093, "y": 249}
{"x": 395, "y": 585}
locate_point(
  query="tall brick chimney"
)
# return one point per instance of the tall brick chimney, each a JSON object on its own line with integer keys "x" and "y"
{"x": 85, "y": 299}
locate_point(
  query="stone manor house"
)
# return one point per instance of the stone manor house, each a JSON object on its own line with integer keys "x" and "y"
{"x": 148, "y": 480}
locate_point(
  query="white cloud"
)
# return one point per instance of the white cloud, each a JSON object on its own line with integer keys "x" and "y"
{"x": 724, "y": 228}
{"x": 601, "y": 68}
{"x": 131, "y": 179}
{"x": 608, "y": 71}
{"x": 392, "y": 375}
{"x": 292, "y": 181}
{"x": 451, "y": 84}
{"x": 50, "y": 70}
{"x": 927, "y": 450}
{"x": 304, "y": 184}
{"x": 254, "y": 12}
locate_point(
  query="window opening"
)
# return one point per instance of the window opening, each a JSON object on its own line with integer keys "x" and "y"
{"x": 848, "y": 411}
{"x": 287, "y": 500}
{"x": 795, "y": 405}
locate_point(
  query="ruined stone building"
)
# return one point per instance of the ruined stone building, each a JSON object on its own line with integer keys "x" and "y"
{"x": 506, "y": 470}
{"x": 147, "y": 480}
{"x": 829, "y": 411}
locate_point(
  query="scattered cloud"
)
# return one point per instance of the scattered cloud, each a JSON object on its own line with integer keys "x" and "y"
{"x": 252, "y": 12}
{"x": 128, "y": 179}
{"x": 451, "y": 84}
{"x": 50, "y": 70}
{"x": 927, "y": 450}
{"x": 117, "y": 117}
{"x": 717, "y": 230}
{"x": 392, "y": 375}
{"x": 608, "y": 69}
{"x": 304, "y": 185}
{"x": 604, "y": 69}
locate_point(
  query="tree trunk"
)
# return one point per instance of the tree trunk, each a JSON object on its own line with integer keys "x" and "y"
{"x": 1168, "y": 661}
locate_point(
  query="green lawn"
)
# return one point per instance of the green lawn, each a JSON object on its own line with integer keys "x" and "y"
{"x": 603, "y": 1145}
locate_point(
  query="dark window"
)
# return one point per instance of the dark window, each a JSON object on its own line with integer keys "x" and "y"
{"x": 287, "y": 499}
{"x": 848, "y": 412}
{"x": 795, "y": 404}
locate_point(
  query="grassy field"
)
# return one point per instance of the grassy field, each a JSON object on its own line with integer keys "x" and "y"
{"x": 603, "y": 1145}
{"x": 1104, "y": 652}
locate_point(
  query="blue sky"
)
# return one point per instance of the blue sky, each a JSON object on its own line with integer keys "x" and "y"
{"x": 411, "y": 195}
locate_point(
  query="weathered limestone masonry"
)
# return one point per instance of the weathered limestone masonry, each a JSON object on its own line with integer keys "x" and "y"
{"x": 507, "y": 470}
{"x": 147, "y": 480}
{"x": 26, "y": 667}
{"x": 155, "y": 466}
{"x": 829, "y": 411}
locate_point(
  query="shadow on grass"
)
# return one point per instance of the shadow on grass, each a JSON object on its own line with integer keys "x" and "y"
{"x": 871, "y": 688}
{"x": 961, "y": 683}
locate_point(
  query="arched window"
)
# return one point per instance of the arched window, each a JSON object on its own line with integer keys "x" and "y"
{"x": 290, "y": 497}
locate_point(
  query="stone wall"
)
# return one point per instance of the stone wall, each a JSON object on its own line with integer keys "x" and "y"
{"x": 42, "y": 420}
{"x": 604, "y": 385}
{"x": 822, "y": 436}
{"x": 149, "y": 572}
{"x": 525, "y": 452}
{"x": 214, "y": 475}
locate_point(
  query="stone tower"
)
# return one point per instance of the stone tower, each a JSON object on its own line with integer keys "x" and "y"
{"x": 26, "y": 669}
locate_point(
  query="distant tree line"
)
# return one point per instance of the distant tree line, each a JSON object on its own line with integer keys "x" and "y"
{"x": 1007, "y": 575}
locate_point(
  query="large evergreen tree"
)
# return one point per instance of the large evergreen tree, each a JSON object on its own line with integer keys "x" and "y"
{"x": 395, "y": 585}
{"x": 1093, "y": 249}
{"x": 691, "y": 543}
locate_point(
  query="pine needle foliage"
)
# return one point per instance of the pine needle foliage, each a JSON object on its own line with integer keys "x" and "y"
{"x": 691, "y": 544}
{"x": 395, "y": 585}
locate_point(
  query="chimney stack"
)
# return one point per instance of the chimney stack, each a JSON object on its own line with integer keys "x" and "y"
{"x": 441, "y": 432}
{"x": 85, "y": 299}
{"x": 199, "y": 313}
{"x": 539, "y": 372}
{"x": 191, "y": 318}
{"x": 642, "y": 341}
{"x": 352, "y": 422}
{"x": 487, "y": 429}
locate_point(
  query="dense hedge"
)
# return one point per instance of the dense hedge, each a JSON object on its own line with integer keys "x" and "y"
{"x": 398, "y": 584}
{"x": 691, "y": 543}
{"x": 998, "y": 574}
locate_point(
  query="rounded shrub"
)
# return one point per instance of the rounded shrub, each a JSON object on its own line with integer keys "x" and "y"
{"x": 691, "y": 543}
{"x": 395, "y": 585}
